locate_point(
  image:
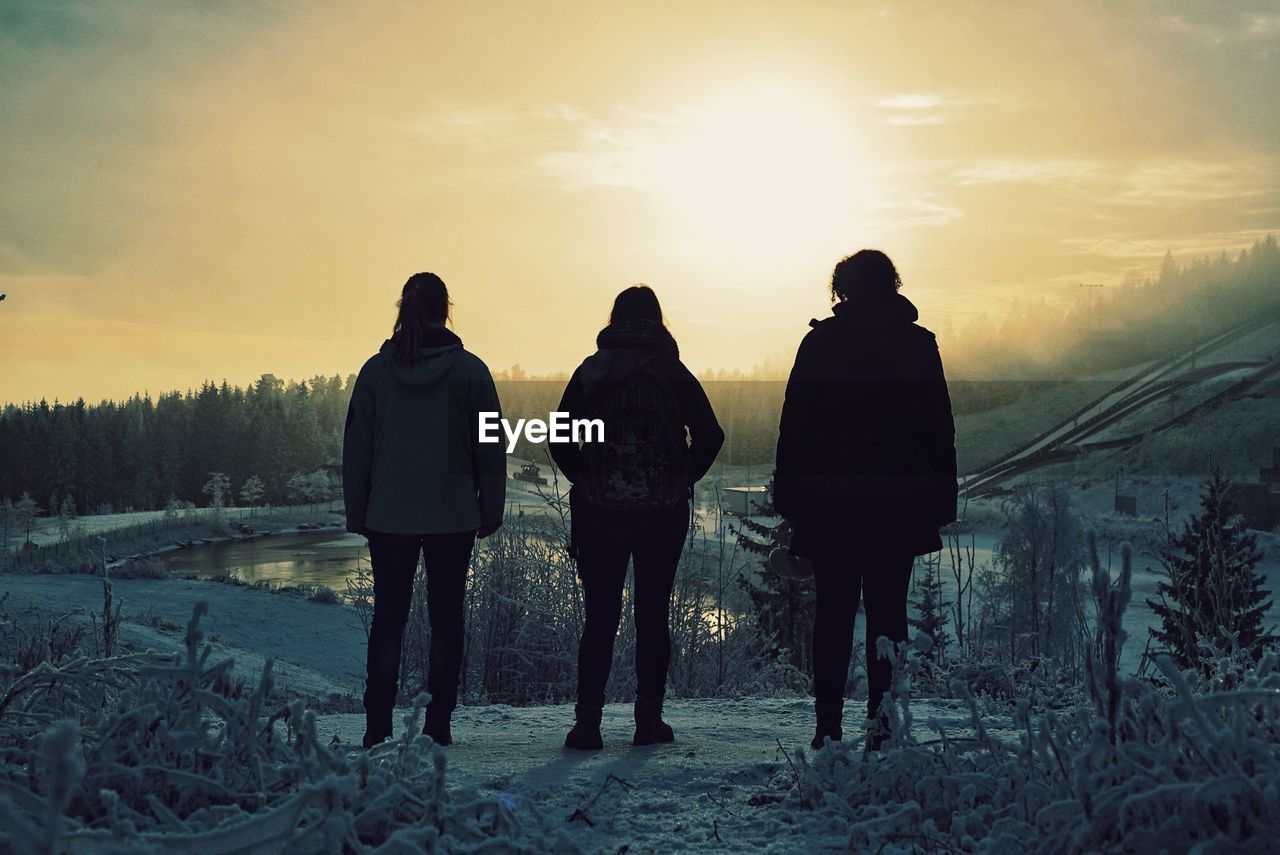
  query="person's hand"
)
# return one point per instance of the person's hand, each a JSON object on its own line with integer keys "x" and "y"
{"x": 356, "y": 528}
{"x": 486, "y": 530}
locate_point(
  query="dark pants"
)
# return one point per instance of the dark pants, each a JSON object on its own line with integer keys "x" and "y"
{"x": 395, "y": 559}
{"x": 882, "y": 580}
{"x": 605, "y": 540}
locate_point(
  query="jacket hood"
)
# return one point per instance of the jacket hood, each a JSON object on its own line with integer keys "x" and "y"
{"x": 436, "y": 357}
{"x": 879, "y": 312}
{"x": 625, "y": 348}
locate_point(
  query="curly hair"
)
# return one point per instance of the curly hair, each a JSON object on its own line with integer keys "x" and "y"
{"x": 866, "y": 273}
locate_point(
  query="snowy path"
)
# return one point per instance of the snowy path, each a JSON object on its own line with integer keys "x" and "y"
{"x": 723, "y": 785}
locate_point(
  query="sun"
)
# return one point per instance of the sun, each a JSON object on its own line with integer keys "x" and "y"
{"x": 766, "y": 170}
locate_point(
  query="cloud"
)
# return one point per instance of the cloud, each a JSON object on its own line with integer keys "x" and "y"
{"x": 924, "y": 209}
{"x": 1182, "y": 180}
{"x": 911, "y": 102}
{"x": 927, "y": 108}
{"x": 1144, "y": 247}
{"x": 1026, "y": 171}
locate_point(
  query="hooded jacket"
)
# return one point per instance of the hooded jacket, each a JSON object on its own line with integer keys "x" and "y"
{"x": 412, "y": 462}
{"x": 625, "y": 349}
{"x": 866, "y": 443}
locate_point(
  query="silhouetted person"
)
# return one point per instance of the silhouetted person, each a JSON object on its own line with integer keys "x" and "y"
{"x": 866, "y": 469}
{"x": 630, "y": 500}
{"x": 417, "y": 481}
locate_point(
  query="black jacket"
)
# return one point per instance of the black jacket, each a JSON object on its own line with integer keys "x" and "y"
{"x": 866, "y": 444}
{"x": 625, "y": 349}
{"x": 412, "y": 462}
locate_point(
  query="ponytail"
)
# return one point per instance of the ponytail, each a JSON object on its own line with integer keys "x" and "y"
{"x": 424, "y": 302}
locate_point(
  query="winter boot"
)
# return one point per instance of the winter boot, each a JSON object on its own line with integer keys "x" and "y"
{"x": 828, "y": 715}
{"x": 650, "y": 728}
{"x": 789, "y": 565}
{"x": 377, "y": 728}
{"x": 585, "y": 735}
{"x": 436, "y": 725}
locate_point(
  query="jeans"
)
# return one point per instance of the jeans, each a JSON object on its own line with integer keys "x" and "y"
{"x": 882, "y": 579}
{"x": 395, "y": 560}
{"x": 606, "y": 540}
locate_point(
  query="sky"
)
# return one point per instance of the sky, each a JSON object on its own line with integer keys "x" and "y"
{"x": 222, "y": 190}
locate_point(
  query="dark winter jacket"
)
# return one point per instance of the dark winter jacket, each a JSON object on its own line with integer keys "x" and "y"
{"x": 624, "y": 350}
{"x": 411, "y": 459}
{"x": 866, "y": 444}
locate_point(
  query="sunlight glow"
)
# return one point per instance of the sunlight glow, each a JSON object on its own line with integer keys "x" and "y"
{"x": 767, "y": 171}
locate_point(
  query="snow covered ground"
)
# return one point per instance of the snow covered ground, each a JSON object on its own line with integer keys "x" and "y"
{"x": 319, "y": 649}
{"x": 726, "y": 783}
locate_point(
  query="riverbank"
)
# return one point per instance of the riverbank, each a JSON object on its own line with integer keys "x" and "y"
{"x": 318, "y": 648}
{"x": 118, "y": 539}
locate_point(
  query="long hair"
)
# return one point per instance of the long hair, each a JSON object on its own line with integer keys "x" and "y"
{"x": 637, "y": 303}
{"x": 867, "y": 273}
{"x": 424, "y": 302}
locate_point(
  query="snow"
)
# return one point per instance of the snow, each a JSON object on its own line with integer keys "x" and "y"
{"x": 319, "y": 649}
{"x": 725, "y": 784}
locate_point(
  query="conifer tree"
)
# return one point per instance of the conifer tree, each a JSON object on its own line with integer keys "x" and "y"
{"x": 782, "y": 608}
{"x": 1210, "y": 588}
{"x": 932, "y": 609}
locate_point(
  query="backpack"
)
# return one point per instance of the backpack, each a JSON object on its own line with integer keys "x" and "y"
{"x": 643, "y": 461}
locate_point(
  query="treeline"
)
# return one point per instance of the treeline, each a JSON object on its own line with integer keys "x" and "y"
{"x": 140, "y": 453}
{"x": 1140, "y": 319}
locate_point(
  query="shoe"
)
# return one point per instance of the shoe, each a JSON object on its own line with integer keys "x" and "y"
{"x": 585, "y": 735}
{"x": 377, "y": 729}
{"x": 436, "y": 726}
{"x": 828, "y": 724}
{"x": 789, "y": 566}
{"x": 650, "y": 728}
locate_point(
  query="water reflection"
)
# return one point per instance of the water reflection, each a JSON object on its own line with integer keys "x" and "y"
{"x": 311, "y": 557}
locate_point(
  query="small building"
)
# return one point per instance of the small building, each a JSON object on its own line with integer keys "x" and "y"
{"x": 743, "y": 501}
{"x": 1259, "y": 504}
{"x": 333, "y": 474}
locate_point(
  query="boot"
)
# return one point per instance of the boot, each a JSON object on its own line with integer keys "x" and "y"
{"x": 828, "y": 714}
{"x": 377, "y": 728}
{"x": 585, "y": 735}
{"x": 650, "y": 728}
{"x": 436, "y": 725}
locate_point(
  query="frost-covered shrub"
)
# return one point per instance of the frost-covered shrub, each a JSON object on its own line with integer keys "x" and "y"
{"x": 1135, "y": 767}
{"x": 142, "y": 751}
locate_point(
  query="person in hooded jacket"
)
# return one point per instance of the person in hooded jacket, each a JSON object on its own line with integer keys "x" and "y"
{"x": 630, "y": 501}
{"x": 416, "y": 480}
{"x": 866, "y": 471}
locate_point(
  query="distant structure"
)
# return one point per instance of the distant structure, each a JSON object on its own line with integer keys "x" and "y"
{"x": 1259, "y": 503}
{"x": 333, "y": 475}
{"x": 530, "y": 474}
{"x": 742, "y": 501}
{"x": 1125, "y": 505}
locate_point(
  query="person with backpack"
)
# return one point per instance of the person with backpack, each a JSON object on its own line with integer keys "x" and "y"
{"x": 630, "y": 501}
{"x": 417, "y": 481}
{"x": 866, "y": 472}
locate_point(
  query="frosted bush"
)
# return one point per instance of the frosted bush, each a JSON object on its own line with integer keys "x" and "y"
{"x": 1191, "y": 764}
{"x": 144, "y": 751}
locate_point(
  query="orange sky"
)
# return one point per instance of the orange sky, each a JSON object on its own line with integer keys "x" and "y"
{"x": 219, "y": 191}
